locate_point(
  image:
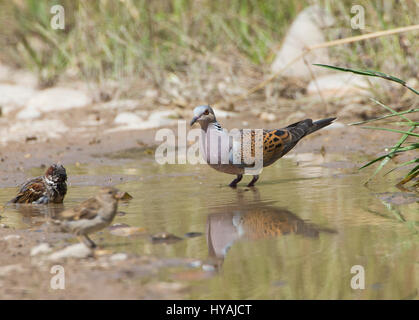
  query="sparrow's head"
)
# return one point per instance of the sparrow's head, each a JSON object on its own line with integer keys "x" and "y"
{"x": 56, "y": 173}
{"x": 203, "y": 115}
{"x": 110, "y": 194}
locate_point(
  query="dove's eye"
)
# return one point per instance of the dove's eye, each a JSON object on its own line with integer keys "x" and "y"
{"x": 206, "y": 112}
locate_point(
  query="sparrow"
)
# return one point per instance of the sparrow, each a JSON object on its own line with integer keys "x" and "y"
{"x": 221, "y": 153}
{"x": 49, "y": 188}
{"x": 91, "y": 215}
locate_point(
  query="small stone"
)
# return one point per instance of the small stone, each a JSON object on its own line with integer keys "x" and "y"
{"x": 6, "y": 270}
{"x": 58, "y": 99}
{"x": 208, "y": 267}
{"x": 195, "y": 264}
{"x": 128, "y": 118}
{"x": 15, "y": 95}
{"x": 269, "y": 117}
{"x": 41, "y": 249}
{"x": 28, "y": 113}
{"x": 193, "y": 234}
{"x": 11, "y": 237}
{"x": 127, "y": 231}
{"x": 164, "y": 237}
{"x": 118, "y": 257}
{"x": 77, "y": 251}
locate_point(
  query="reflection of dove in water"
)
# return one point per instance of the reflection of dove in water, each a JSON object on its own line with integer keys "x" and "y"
{"x": 253, "y": 222}
{"x": 233, "y": 154}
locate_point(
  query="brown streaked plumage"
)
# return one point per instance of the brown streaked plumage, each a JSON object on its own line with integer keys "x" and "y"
{"x": 50, "y": 188}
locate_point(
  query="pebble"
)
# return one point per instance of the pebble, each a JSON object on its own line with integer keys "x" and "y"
{"x": 118, "y": 257}
{"x": 41, "y": 249}
{"x": 11, "y": 237}
{"x": 78, "y": 251}
{"x": 5, "y": 270}
{"x": 269, "y": 117}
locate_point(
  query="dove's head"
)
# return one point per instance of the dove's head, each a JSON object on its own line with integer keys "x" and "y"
{"x": 203, "y": 115}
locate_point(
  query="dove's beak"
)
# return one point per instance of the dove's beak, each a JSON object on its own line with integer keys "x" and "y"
{"x": 194, "y": 119}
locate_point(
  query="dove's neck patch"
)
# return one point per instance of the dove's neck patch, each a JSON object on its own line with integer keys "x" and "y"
{"x": 217, "y": 126}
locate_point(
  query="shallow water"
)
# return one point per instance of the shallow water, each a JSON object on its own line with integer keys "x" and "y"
{"x": 295, "y": 236}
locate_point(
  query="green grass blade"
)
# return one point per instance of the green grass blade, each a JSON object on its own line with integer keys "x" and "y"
{"x": 385, "y": 117}
{"x": 370, "y": 73}
{"x": 393, "y": 130}
{"x": 402, "y": 165}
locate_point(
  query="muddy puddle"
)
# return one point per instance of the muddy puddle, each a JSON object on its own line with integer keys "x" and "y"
{"x": 295, "y": 236}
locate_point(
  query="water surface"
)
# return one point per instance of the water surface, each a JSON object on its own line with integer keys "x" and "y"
{"x": 295, "y": 236}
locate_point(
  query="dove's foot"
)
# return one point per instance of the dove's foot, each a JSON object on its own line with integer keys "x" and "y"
{"x": 88, "y": 242}
{"x": 234, "y": 183}
{"x": 252, "y": 183}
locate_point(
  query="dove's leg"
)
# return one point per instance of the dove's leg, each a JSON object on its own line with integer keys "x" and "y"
{"x": 252, "y": 183}
{"x": 234, "y": 183}
{"x": 87, "y": 241}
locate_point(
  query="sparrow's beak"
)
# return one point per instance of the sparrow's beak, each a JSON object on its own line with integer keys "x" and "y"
{"x": 123, "y": 196}
{"x": 120, "y": 195}
{"x": 194, "y": 119}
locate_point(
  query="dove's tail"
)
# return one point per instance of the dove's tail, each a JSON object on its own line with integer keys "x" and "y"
{"x": 302, "y": 128}
{"x": 317, "y": 125}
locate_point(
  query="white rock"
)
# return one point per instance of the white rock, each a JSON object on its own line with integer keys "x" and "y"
{"x": 305, "y": 31}
{"x": 20, "y": 130}
{"x": 128, "y": 118}
{"x": 163, "y": 114}
{"x": 41, "y": 249}
{"x": 58, "y": 99}
{"x": 151, "y": 93}
{"x": 269, "y": 117}
{"x": 6, "y": 270}
{"x": 78, "y": 251}
{"x": 20, "y": 77}
{"x": 15, "y": 95}
{"x": 125, "y": 104}
{"x": 224, "y": 114}
{"x": 118, "y": 257}
{"x": 28, "y": 113}
{"x": 11, "y": 237}
{"x": 157, "y": 119}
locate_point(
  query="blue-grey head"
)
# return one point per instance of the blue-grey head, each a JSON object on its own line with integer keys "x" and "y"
{"x": 203, "y": 115}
